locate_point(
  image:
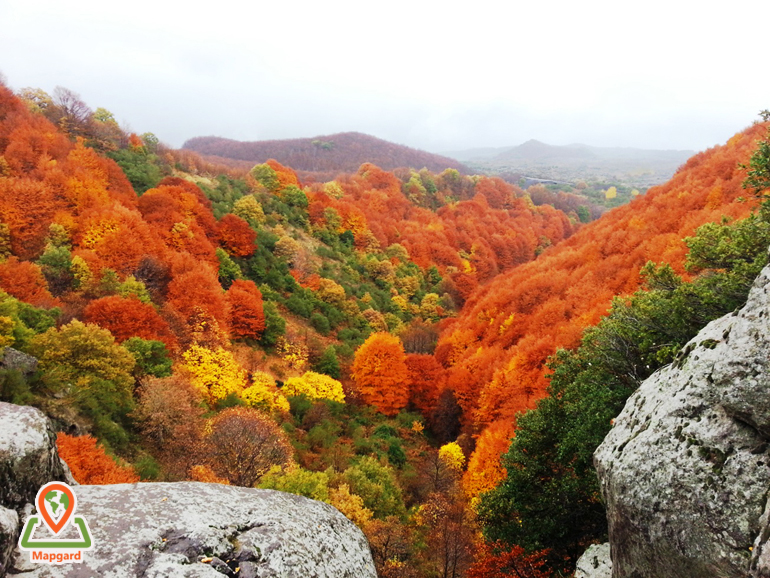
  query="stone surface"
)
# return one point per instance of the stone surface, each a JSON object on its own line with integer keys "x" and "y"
{"x": 9, "y": 533}
{"x": 685, "y": 471}
{"x": 171, "y": 529}
{"x": 11, "y": 358}
{"x": 195, "y": 529}
{"x": 28, "y": 456}
{"x": 595, "y": 562}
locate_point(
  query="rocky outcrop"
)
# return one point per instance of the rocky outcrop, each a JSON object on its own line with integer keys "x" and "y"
{"x": 171, "y": 529}
{"x": 685, "y": 472}
{"x": 595, "y": 562}
{"x": 28, "y": 457}
{"x": 14, "y": 359}
{"x": 196, "y": 529}
{"x": 9, "y": 534}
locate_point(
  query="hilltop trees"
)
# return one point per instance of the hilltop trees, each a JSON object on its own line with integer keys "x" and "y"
{"x": 496, "y": 350}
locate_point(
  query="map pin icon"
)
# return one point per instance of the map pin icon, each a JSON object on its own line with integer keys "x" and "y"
{"x": 58, "y": 499}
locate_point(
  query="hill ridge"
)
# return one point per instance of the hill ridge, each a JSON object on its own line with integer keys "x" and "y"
{"x": 338, "y": 152}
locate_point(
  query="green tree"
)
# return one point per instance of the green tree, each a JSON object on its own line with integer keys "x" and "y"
{"x": 377, "y": 485}
{"x": 266, "y": 176}
{"x": 328, "y": 363}
{"x": 143, "y": 169}
{"x": 313, "y": 485}
{"x": 229, "y": 270}
{"x": 320, "y": 323}
{"x": 758, "y": 175}
{"x": 294, "y": 196}
{"x": 275, "y": 325}
{"x": 151, "y": 357}
{"x": 56, "y": 264}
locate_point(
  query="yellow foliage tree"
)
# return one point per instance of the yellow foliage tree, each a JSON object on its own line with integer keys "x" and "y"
{"x": 84, "y": 278}
{"x": 294, "y": 354}
{"x": 263, "y": 393}
{"x": 452, "y": 455}
{"x": 429, "y": 306}
{"x": 330, "y": 292}
{"x": 315, "y": 386}
{"x": 6, "y": 331}
{"x": 351, "y": 505}
{"x": 400, "y": 302}
{"x": 250, "y": 210}
{"x": 214, "y": 372}
{"x": 611, "y": 193}
{"x": 333, "y": 189}
{"x": 375, "y": 319}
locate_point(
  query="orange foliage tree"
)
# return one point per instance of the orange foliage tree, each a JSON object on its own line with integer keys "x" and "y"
{"x": 426, "y": 380}
{"x": 236, "y": 237}
{"x": 195, "y": 293}
{"x": 484, "y": 468}
{"x": 247, "y": 317}
{"x": 130, "y": 317}
{"x": 25, "y": 281}
{"x": 90, "y": 464}
{"x": 498, "y": 560}
{"x": 381, "y": 374}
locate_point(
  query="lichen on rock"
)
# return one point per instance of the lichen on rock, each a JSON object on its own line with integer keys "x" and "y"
{"x": 595, "y": 562}
{"x": 28, "y": 456}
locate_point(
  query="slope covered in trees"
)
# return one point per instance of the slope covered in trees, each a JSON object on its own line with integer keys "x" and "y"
{"x": 184, "y": 317}
{"x": 548, "y": 496}
{"x": 497, "y": 347}
{"x": 495, "y": 352}
{"x": 328, "y": 155}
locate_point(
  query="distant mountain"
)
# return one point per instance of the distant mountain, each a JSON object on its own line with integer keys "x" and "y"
{"x": 576, "y": 162}
{"x": 343, "y": 152}
{"x": 477, "y": 154}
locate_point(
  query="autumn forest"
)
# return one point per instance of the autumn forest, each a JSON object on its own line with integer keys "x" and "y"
{"x": 435, "y": 354}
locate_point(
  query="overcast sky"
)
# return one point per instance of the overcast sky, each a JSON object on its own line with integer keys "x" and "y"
{"x": 441, "y": 76}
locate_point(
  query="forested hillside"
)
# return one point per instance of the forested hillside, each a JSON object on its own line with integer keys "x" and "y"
{"x": 496, "y": 350}
{"x": 178, "y": 309}
{"x": 368, "y": 341}
{"x": 324, "y": 156}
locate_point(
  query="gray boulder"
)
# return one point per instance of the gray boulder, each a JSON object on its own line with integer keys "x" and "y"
{"x": 197, "y": 530}
{"x": 685, "y": 472}
{"x": 11, "y": 358}
{"x": 28, "y": 456}
{"x": 595, "y": 562}
{"x": 9, "y": 533}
